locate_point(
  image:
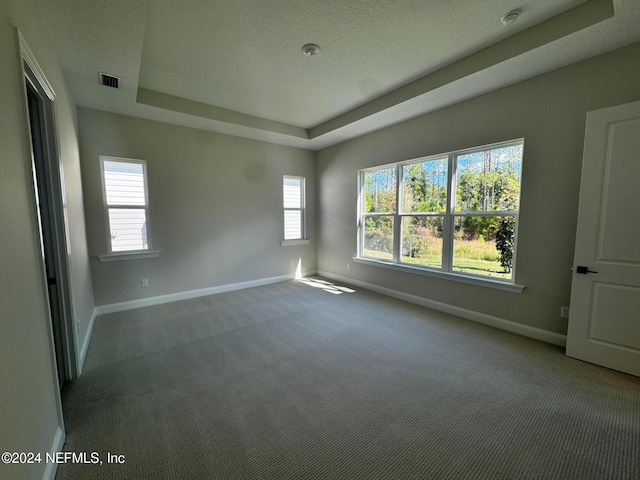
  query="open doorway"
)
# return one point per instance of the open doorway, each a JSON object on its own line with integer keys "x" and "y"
{"x": 51, "y": 221}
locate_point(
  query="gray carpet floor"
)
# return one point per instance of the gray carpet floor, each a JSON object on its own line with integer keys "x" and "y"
{"x": 313, "y": 380}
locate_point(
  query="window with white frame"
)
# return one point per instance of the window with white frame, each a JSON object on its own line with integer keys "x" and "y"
{"x": 455, "y": 212}
{"x": 126, "y": 203}
{"x": 293, "y": 200}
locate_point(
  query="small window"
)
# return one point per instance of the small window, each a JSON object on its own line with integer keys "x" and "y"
{"x": 126, "y": 203}
{"x": 294, "y": 207}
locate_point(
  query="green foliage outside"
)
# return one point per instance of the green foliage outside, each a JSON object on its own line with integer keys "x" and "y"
{"x": 425, "y": 186}
{"x": 380, "y": 191}
{"x": 378, "y": 234}
{"x": 505, "y": 238}
{"x": 486, "y": 182}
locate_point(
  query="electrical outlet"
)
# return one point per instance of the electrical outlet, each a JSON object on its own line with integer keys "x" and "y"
{"x": 144, "y": 282}
{"x": 348, "y": 266}
{"x": 564, "y": 312}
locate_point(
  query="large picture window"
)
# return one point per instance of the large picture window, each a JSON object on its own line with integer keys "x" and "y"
{"x": 455, "y": 212}
{"x": 126, "y": 204}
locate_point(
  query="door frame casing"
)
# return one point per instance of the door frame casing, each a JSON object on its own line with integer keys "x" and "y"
{"x": 34, "y": 75}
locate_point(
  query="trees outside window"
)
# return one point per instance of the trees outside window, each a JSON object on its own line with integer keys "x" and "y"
{"x": 454, "y": 212}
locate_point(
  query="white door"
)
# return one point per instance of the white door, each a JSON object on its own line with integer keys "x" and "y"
{"x": 604, "y": 322}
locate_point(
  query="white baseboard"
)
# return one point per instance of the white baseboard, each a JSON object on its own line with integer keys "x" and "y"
{"x": 85, "y": 342}
{"x": 490, "y": 320}
{"x": 203, "y": 292}
{"x": 56, "y": 446}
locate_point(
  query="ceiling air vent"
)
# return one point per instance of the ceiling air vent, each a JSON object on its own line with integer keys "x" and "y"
{"x": 109, "y": 80}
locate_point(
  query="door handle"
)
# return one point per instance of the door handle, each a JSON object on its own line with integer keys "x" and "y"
{"x": 584, "y": 270}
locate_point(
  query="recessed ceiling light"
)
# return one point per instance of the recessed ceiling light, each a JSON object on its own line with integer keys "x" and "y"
{"x": 310, "y": 49}
{"x": 510, "y": 17}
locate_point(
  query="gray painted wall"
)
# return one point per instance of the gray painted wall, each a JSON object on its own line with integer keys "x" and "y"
{"x": 215, "y": 206}
{"x": 549, "y": 111}
{"x": 29, "y": 387}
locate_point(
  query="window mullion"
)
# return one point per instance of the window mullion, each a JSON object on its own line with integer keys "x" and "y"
{"x": 128, "y": 206}
{"x": 360, "y": 217}
{"x": 448, "y": 234}
{"x": 303, "y": 207}
{"x": 397, "y": 224}
{"x": 487, "y": 213}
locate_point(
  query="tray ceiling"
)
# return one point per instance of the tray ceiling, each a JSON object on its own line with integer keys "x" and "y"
{"x": 237, "y": 67}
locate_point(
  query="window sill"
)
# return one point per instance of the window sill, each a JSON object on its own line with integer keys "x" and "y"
{"x": 117, "y": 257}
{"x": 455, "y": 277}
{"x": 286, "y": 243}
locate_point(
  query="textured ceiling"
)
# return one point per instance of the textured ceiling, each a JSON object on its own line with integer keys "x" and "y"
{"x": 246, "y": 55}
{"x": 236, "y": 66}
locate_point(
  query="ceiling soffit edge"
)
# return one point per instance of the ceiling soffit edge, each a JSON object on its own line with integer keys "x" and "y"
{"x": 562, "y": 25}
{"x": 204, "y": 110}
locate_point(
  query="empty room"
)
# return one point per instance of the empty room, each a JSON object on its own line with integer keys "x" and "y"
{"x": 336, "y": 239}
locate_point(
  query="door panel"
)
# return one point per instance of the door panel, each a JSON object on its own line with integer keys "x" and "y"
{"x": 620, "y": 232}
{"x": 617, "y": 304}
{"x": 604, "y": 324}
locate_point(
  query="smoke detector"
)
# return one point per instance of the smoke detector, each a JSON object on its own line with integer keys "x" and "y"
{"x": 510, "y": 17}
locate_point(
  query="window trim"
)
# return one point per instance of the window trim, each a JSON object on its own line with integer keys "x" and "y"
{"x": 133, "y": 255}
{"x": 125, "y": 254}
{"x": 446, "y": 271}
{"x": 303, "y": 240}
{"x": 488, "y": 282}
